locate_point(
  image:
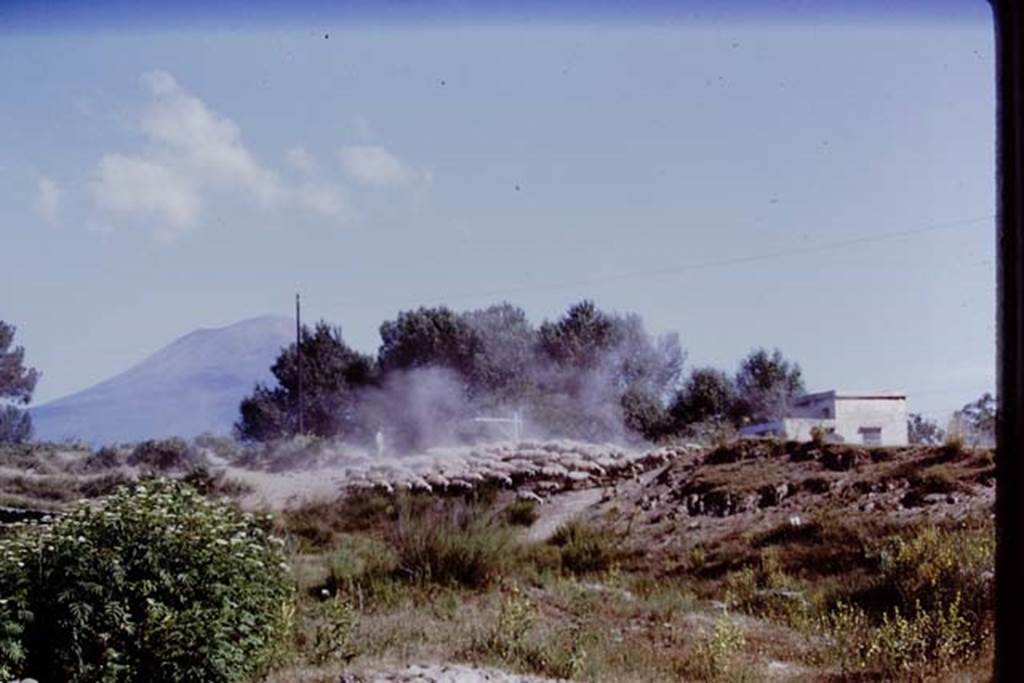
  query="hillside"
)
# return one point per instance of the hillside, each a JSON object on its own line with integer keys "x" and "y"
{"x": 192, "y": 385}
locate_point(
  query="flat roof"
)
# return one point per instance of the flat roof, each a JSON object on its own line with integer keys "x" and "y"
{"x": 840, "y": 394}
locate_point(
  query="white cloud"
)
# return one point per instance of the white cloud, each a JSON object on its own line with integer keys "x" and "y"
{"x": 375, "y": 165}
{"x": 192, "y": 151}
{"x": 48, "y": 200}
{"x": 203, "y": 141}
{"x": 302, "y": 160}
{"x": 147, "y": 189}
{"x": 321, "y": 198}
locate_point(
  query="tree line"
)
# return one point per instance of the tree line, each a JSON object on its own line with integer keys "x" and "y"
{"x": 589, "y": 374}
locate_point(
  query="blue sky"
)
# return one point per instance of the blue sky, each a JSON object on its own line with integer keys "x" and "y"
{"x": 715, "y": 176}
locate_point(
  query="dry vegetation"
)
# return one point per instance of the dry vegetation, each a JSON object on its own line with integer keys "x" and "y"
{"x": 753, "y": 561}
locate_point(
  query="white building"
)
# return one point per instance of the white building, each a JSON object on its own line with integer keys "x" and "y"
{"x": 868, "y": 418}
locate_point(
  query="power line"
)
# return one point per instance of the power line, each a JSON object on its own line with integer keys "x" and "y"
{"x": 725, "y": 262}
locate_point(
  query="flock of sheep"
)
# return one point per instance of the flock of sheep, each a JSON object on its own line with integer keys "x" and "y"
{"x": 544, "y": 465}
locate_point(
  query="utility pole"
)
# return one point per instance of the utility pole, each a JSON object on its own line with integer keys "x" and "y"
{"x": 298, "y": 358}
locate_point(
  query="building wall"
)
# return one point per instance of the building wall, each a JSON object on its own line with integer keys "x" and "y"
{"x": 878, "y": 419}
{"x": 854, "y": 415}
{"x": 817, "y": 406}
{"x": 799, "y": 428}
{"x": 789, "y": 428}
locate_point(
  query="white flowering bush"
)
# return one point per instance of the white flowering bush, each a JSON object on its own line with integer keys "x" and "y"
{"x": 155, "y": 584}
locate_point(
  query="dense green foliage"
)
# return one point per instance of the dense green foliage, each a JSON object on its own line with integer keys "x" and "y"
{"x": 155, "y": 584}
{"x": 587, "y": 374}
{"x": 17, "y": 382}
{"x": 330, "y": 373}
{"x": 766, "y": 384}
{"x": 707, "y": 395}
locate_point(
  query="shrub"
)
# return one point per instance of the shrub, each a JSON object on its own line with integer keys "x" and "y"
{"x": 453, "y": 549}
{"x": 335, "y": 636}
{"x": 954, "y": 445}
{"x": 155, "y": 584}
{"x": 717, "y": 657}
{"x": 106, "y": 458}
{"x": 522, "y": 513}
{"x": 320, "y": 522}
{"x": 363, "y": 568}
{"x": 935, "y": 567}
{"x": 510, "y": 642}
{"x": 923, "y": 643}
{"x": 584, "y": 548}
{"x": 941, "y": 583}
{"x": 216, "y": 483}
{"x": 166, "y": 455}
{"x": 515, "y": 619}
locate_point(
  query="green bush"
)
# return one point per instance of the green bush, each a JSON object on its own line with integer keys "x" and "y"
{"x": 155, "y": 584}
{"x": 939, "y": 587}
{"x": 335, "y": 635}
{"x": 913, "y": 646}
{"x": 717, "y": 657}
{"x": 585, "y": 548}
{"x": 936, "y": 566}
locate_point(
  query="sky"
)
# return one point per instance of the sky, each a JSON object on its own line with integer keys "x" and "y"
{"x": 823, "y": 183}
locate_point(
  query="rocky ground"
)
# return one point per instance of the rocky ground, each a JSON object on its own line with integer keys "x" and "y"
{"x": 441, "y": 673}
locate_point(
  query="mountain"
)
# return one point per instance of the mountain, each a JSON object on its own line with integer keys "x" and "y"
{"x": 192, "y": 385}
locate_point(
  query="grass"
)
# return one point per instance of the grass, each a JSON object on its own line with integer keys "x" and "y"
{"x": 522, "y": 512}
{"x": 390, "y": 579}
{"x": 584, "y": 547}
{"x": 452, "y": 581}
{"x": 455, "y": 549}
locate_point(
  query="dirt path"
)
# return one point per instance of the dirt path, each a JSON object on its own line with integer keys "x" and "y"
{"x": 559, "y": 509}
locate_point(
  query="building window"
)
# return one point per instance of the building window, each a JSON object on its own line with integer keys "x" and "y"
{"x": 825, "y": 412}
{"x": 871, "y": 436}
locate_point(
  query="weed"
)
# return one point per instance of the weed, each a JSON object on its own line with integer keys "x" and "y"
{"x": 717, "y": 657}
{"x": 335, "y": 636}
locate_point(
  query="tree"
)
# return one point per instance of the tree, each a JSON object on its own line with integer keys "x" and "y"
{"x": 17, "y": 383}
{"x": 332, "y": 376}
{"x": 766, "y": 385}
{"x": 15, "y": 425}
{"x": 427, "y": 337}
{"x": 600, "y": 372}
{"x": 501, "y": 368}
{"x": 708, "y": 395}
{"x": 977, "y": 420}
{"x": 922, "y": 431}
{"x": 580, "y": 339}
{"x": 644, "y": 415}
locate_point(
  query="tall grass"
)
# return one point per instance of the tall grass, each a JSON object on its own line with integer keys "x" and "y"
{"x": 457, "y": 548}
{"x": 585, "y": 548}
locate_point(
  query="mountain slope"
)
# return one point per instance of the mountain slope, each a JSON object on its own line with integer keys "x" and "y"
{"x": 192, "y": 385}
